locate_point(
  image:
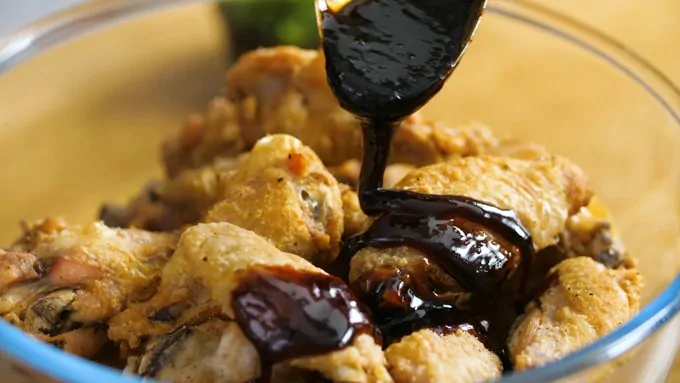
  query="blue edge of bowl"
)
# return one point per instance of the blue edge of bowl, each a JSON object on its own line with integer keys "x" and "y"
{"x": 58, "y": 364}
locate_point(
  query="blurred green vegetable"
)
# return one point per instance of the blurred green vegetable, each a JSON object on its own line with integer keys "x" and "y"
{"x": 264, "y": 23}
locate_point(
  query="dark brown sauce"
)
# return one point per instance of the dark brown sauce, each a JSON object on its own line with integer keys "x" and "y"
{"x": 403, "y": 302}
{"x": 384, "y": 60}
{"x": 288, "y": 313}
{"x": 387, "y": 58}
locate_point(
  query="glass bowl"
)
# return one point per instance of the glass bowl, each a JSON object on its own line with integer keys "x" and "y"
{"x": 89, "y": 98}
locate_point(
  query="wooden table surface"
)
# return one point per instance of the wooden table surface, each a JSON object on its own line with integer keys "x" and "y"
{"x": 651, "y": 30}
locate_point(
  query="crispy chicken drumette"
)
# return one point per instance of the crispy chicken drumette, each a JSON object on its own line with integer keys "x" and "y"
{"x": 63, "y": 283}
{"x": 197, "y": 289}
{"x": 583, "y": 301}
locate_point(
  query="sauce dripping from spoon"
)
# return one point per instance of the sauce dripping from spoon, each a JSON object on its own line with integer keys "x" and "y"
{"x": 384, "y": 60}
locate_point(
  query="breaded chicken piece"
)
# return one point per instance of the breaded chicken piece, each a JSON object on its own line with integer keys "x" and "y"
{"x": 584, "y": 301}
{"x": 214, "y": 256}
{"x": 588, "y": 232}
{"x": 543, "y": 193}
{"x": 284, "y": 90}
{"x": 280, "y": 190}
{"x": 203, "y": 139}
{"x": 284, "y": 193}
{"x": 428, "y": 357}
{"x": 63, "y": 283}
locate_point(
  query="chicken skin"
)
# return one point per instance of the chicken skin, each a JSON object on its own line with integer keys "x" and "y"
{"x": 63, "y": 283}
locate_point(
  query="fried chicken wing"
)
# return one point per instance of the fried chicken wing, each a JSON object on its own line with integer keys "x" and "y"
{"x": 63, "y": 283}
{"x": 543, "y": 193}
{"x": 284, "y": 90}
{"x": 584, "y": 301}
{"x": 428, "y": 357}
{"x": 283, "y": 192}
{"x": 211, "y": 259}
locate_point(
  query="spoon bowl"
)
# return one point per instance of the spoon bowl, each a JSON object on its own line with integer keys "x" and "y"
{"x": 387, "y": 58}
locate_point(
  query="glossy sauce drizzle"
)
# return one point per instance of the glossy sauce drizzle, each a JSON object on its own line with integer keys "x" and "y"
{"x": 384, "y": 60}
{"x": 289, "y": 313}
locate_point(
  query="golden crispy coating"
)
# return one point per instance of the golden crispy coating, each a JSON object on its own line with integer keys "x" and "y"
{"x": 204, "y": 138}
{"x": 283, "y": 192}
{"x": 584, "y": 301}
{"x": 543, "y": 193}
{"x": 427, "y": 357}
{"x": 77, "y": 278}
{"x": 213, "y": 256}
{"x": 284, "y": 90}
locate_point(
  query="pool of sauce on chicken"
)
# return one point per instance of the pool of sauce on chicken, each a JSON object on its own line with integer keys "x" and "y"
{"x": 384, "y": 60}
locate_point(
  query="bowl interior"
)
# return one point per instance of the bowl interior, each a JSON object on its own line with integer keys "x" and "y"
{"x": 82, "y": 123}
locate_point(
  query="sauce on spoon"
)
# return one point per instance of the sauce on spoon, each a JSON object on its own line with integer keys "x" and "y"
{"x": 384, "y": 60}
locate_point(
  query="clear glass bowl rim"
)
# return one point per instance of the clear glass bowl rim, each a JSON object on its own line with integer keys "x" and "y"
{"x": 91, "y": 16}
